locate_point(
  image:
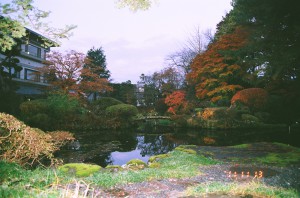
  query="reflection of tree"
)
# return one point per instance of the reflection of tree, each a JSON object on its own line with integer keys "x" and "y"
{"x": 154, "y": 144}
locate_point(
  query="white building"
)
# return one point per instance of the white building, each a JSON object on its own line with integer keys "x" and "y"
{"x": 31, "y": 82}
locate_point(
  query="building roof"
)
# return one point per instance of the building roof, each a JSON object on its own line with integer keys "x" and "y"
{"x": 50, "y": 43}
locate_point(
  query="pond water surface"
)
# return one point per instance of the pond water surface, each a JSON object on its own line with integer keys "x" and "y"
{"x": 118, "y": 147}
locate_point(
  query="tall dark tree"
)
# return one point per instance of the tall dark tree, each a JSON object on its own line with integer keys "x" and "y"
{"x": 275, "y": 37}
{"x": 96, "y": 62}
{"x": 272, "y": 50}
{"x": 9, "y": 69}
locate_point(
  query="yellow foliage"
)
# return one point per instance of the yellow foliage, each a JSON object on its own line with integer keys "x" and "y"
{"x": 24, "y": 145}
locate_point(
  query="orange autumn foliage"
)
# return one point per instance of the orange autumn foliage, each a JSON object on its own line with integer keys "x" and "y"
{"x": 215, "y": 75}
{"x": 176, "y": 101}
{"x": 254, "y": 98}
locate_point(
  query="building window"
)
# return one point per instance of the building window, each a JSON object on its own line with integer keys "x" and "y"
{"x": 33, "y": 51}
{"x": 16, "y": 74}
{"x": 32, "y": 75}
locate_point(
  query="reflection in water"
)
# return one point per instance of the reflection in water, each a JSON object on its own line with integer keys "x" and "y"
{"x": 107, "y": 147}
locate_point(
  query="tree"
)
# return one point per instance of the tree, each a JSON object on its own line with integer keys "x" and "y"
{"x": 66, "y": 69}
{"x": 216, "y": 74}
{"x": 96, "y": 62}
{"x": 94, "y": 71}
{"x": 17, "y": 15}
{"x": 271, "y": 53}
{"x": 135, "y": 5}
{"x": 148, "y": 90}
{"x": 275, "y": 37}
{"x": 195, "y": 44}
{"x": 66, "y": 72}
{"x": 176, "y": 102}
{"x": 159, "y": 85}
{"x": 8, "y": 69}
{"x": 125, "y": 92}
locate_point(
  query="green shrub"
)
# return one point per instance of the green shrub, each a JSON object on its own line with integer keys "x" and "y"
{"x": 124, "y": 111}
{"x": 63, "y": 106}
{"x": 33, "y": 107}
{"x": 249, "y": 118}
{"x": 99, "y": 106}
{"x": 54, "y": 112}
{"x": 40, "y": 120}
{"x": 180, "y": 120}
{"x": 263, "y": 116}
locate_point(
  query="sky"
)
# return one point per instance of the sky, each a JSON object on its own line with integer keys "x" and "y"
{"x": 134, "y": 43}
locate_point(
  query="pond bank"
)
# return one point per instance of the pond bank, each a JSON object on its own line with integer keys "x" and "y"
{"x": 194, "y": 171}
{"x": 234, "y": 177}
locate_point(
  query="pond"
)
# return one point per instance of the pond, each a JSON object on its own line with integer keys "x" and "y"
{"x": 118, "y": 147}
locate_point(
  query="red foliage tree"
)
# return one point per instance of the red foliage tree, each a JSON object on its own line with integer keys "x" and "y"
{"x": 215, "y": 73}
{"x": 65, "y": 72}
{"x": 176, "y": 102}
{"x": 254, "y": 98}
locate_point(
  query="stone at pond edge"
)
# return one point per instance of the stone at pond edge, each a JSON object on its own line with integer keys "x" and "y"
{"x": 80, "y": 169}
{"x": 136, "y": 164}
{"x": 114, "y": 168}
{"x": 154, "y": 165}
{"x": 157, "y": 157}
{"x": 187, "y": 149}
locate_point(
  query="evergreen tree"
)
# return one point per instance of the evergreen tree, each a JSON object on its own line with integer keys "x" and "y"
{"x": 96, "y": 63}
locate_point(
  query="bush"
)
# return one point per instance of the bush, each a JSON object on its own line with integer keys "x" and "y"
{"x": 40, "y": 120}
{"x": 161, "y": 107}
{"x": 124, "y": 111}
{"x": 99, "y": 106}
{"x": 214, "y": 113}
{"x": 54, "y": 112}
{"x": 24, "y": 145}
{"x": 180, "y": 120}
{"x": 254, "y": 98}
{"x": 249, "y": 118}
{"x": 33, "y": 107}
{"x": 120, "y": 115}
{"x": 62, "y": 106}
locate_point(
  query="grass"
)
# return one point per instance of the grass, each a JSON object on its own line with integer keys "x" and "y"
{"x": 240, "y": 146}
{"x": 174, "y": 166}
{"x": 253, "y": 189}
{"x": 18, "y": 182}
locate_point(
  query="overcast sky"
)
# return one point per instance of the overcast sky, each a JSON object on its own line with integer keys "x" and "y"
{"x": 133, "y": 42}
